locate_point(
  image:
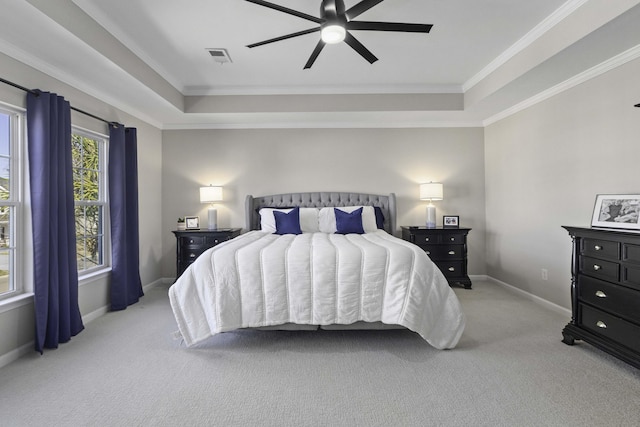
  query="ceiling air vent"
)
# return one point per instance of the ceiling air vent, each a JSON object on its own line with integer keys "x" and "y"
{"x": 220, "y": 55}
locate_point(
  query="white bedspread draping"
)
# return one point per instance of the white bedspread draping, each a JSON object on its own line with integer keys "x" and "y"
{"x": 261, "y": 279}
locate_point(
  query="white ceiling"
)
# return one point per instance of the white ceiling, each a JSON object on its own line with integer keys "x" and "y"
{"x": 489, "y": 56}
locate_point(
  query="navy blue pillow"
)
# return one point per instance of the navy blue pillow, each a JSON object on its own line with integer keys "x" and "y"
{"x": 288, "y": 223}
{"x": 349, "y": 223}
{"x": 379, "y": 217}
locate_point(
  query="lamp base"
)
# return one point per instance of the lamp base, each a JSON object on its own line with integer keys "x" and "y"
{"x": 431, "y": 216}
{"x": 213, "y": 219}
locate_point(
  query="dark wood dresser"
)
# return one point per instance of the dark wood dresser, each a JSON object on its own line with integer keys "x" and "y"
{"x": 605, "y": 291}
{"x": 191, "y": 243}
{"x": 447, "y": 248}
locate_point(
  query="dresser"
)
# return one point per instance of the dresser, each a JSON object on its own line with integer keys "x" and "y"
{"x": 447, "y": 248}
{"x": 191, "y": 243}
{"x": 605, "y": 291}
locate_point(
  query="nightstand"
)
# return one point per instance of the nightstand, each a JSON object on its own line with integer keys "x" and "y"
{"x": 447, "y": 248}
{"x": 192, "y": 243}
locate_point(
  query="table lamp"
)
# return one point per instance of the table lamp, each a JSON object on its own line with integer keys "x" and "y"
{"x": 431, "y": 191}
{"x": 211, "y": 195}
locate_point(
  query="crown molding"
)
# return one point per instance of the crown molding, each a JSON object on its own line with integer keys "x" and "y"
{"x": 112, "y": 27}
{"x": 324, "y": 125}
{"x": 64, "y": 77}
{"x": 538, "y": 31}
{"x": 595, "y": 71}
{"x": 320, "y": 90}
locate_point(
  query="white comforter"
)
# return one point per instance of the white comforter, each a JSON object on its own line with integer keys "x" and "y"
{"x": 261, "y": 279}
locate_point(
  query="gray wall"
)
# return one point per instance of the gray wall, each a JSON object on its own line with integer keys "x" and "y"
{"x": 381, "y": 161}
{"x": 544, "y": 167}
{"x": 16, "y": 325}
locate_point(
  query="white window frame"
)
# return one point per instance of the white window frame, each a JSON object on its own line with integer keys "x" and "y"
{"x": 103, "y": 201}
{"x": 17, "y": 150}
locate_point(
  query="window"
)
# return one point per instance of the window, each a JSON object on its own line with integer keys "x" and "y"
{"x": 89, "y": 164}
{"x": 11, "y": 122}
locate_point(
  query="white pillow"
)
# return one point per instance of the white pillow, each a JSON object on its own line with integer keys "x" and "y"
{"x": 327, "y": 218}
{"x": 308, "y": 219}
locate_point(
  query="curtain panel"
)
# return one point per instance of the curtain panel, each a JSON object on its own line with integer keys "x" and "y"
{"x": 54, "y": 235}
{"x": 126, "y": 287}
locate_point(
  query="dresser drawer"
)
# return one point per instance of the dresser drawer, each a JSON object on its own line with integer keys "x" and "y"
{"x": 214, "y": 240}
{"x": 192, "y": 241}
{"x": 631, "y": 253}
{"x": 606, "y": 270}
{"x": 450, "y": 238}
{"x": 445, "y": 252}
{"x": 600, "y": 249}
{"x": 630, "y": 276}
{"x": 610, "y": 326}
{"x": 190, "y": 254}
{"x": 451, "y": 268}
{"x": 612, "y": 298}
{"x": 426, "y": 239}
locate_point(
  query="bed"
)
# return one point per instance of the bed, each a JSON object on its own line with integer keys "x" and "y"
{"x": 324, "y": 260}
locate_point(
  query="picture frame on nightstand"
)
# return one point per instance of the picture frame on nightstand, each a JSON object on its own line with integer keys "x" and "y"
{"x": 451, "y": 221}
{"x": 192, "y": 222}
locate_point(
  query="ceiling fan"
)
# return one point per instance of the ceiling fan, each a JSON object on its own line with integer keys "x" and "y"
{"x": 335, "y": 23}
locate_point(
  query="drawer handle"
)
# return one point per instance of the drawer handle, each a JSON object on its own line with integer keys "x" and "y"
{"x": 596, "y": 267}
{"x": 452, "y": 252}
{"x": 192, "y": 255}
{"x": 426, "y": 239}
{"x": 453, "y": 239}
{"x": 601, "y": 324}
{"x": 216, "y": 241}
{"x": 597, "y": 247}
{"x": 452, "y": 269}
{"x": 428, "y": 253}
{"x": 601, "y": 294}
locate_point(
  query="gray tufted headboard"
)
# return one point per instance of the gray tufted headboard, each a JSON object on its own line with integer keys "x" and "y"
{"x": 320, "y": 200}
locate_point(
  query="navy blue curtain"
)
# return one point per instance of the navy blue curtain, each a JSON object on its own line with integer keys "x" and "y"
{"x": 52, "y": 208}
{"x": 126, "y": 287}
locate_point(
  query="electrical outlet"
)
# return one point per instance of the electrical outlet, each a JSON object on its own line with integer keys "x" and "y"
{"x": 545, "y": 274}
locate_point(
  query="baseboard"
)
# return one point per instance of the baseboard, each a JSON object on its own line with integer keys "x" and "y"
{"x": 550, "y": 305}
{"x": 13, "y": 355}
{"x": 89, "y": 317}
{"x": 16, "y": 354}
{"x": 157, "y": 282}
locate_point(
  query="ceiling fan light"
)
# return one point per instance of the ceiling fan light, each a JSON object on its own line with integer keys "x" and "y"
{"x": 332, "y": 34}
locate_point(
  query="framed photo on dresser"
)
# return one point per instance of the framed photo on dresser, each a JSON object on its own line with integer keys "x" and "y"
{"x": 192, "y": 222}
{"x": 450, "y": 221}
{"x": 617, "y": 211}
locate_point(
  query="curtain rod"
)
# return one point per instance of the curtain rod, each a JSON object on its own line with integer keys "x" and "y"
{"x": 35, "y": 92}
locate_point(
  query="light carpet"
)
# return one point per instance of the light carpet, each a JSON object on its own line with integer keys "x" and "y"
{"x": 509, "y": 369}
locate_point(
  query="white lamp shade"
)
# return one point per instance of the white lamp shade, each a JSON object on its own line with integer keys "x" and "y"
{"x": 210, "y": 194}
{"x": 431, "y": 191}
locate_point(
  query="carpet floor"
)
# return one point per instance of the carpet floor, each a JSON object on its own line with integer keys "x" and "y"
{"x": 509, "y": 369}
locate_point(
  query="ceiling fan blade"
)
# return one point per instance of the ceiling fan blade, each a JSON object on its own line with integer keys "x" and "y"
{"x": 286, "y": 10}
{"x": 360, "y": 8}
{"x": 314, "y": 54}
{"x": 389, "y": 26}
{"x": 288, "y": 36}
{"x": 359, "y": 47}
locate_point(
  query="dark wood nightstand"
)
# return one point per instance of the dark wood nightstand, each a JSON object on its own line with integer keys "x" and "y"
{"x": 447, "y": 248}
{"x": 192, "y": 243}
